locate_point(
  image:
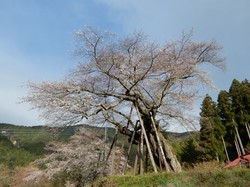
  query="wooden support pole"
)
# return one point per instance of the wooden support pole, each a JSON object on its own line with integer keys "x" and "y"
{"x": 247, "y": 128}
{"x": 225, "y": 148}
{"x": 113, "y": 154}
{"x": 121, "y": 153}
{"x": 105, "y": 141}
{"x": 141, "y": 154}
{"x": 146, "y": 139}
{"x": 160, "y": 160}
{"x": 110, "y": 150}
{"x": 135, "y": 163}
{"x": 123, "y": 141}
{"x": 146, "y": 161}
{"x": 160, "y": 146}
{"x": 240, "y": 142}
{"x": 237, "y": 146}
{"x": 129, "y": 149}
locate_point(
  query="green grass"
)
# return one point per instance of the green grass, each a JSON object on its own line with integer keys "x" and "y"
{"x": 202, "y": 178}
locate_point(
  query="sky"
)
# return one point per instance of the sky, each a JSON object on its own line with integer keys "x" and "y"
{"x": 36, "y": 39}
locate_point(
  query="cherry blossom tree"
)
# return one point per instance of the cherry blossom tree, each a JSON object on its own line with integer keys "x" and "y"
{"x": 159, "y": 81}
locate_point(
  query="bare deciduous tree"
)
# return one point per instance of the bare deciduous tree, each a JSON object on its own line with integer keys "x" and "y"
{"x": 114, "y": 73}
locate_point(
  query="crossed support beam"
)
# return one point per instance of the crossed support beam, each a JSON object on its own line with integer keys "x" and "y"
{"x": 142, "y": 139}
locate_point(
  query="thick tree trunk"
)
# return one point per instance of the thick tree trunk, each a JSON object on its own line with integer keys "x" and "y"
{"x": 170, "y": 156}
{"x": 162, "y": 157}
{"x": 159, "y": 146}
{"x": 172, "y": 161}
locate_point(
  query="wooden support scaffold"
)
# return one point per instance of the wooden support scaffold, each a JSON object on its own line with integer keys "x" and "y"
{"x": 142, "y": 155}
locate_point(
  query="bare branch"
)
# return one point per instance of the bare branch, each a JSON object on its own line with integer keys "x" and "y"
{"x": 130, "y": 69}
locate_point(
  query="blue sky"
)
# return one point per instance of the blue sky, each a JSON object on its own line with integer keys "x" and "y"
{"x": 36, "y": 38}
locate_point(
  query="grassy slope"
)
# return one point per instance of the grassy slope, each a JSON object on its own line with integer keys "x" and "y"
{"x": 204, "y": 178}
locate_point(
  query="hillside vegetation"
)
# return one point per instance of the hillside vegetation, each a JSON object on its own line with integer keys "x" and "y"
{"x": 21, "y": 145}
{"x": 22, "y": 148}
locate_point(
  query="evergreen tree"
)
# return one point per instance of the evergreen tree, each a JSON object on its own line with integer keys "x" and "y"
{"x": 189, "y": 151}
{"x": 236, "y": 95}
{"x": 226, "y": 114}
{"x": 240, "y": 96}
{"x": 225, "y": 106}
{"x": 246, "y": 101}
{"x": 234, "y": 111}
{"x": 210, "y": 144}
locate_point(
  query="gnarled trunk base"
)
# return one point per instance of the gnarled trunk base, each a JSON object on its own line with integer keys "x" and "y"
{"x": 172, "y": 162}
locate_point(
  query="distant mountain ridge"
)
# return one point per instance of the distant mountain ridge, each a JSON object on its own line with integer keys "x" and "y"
{"x": 68, "y": 131}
